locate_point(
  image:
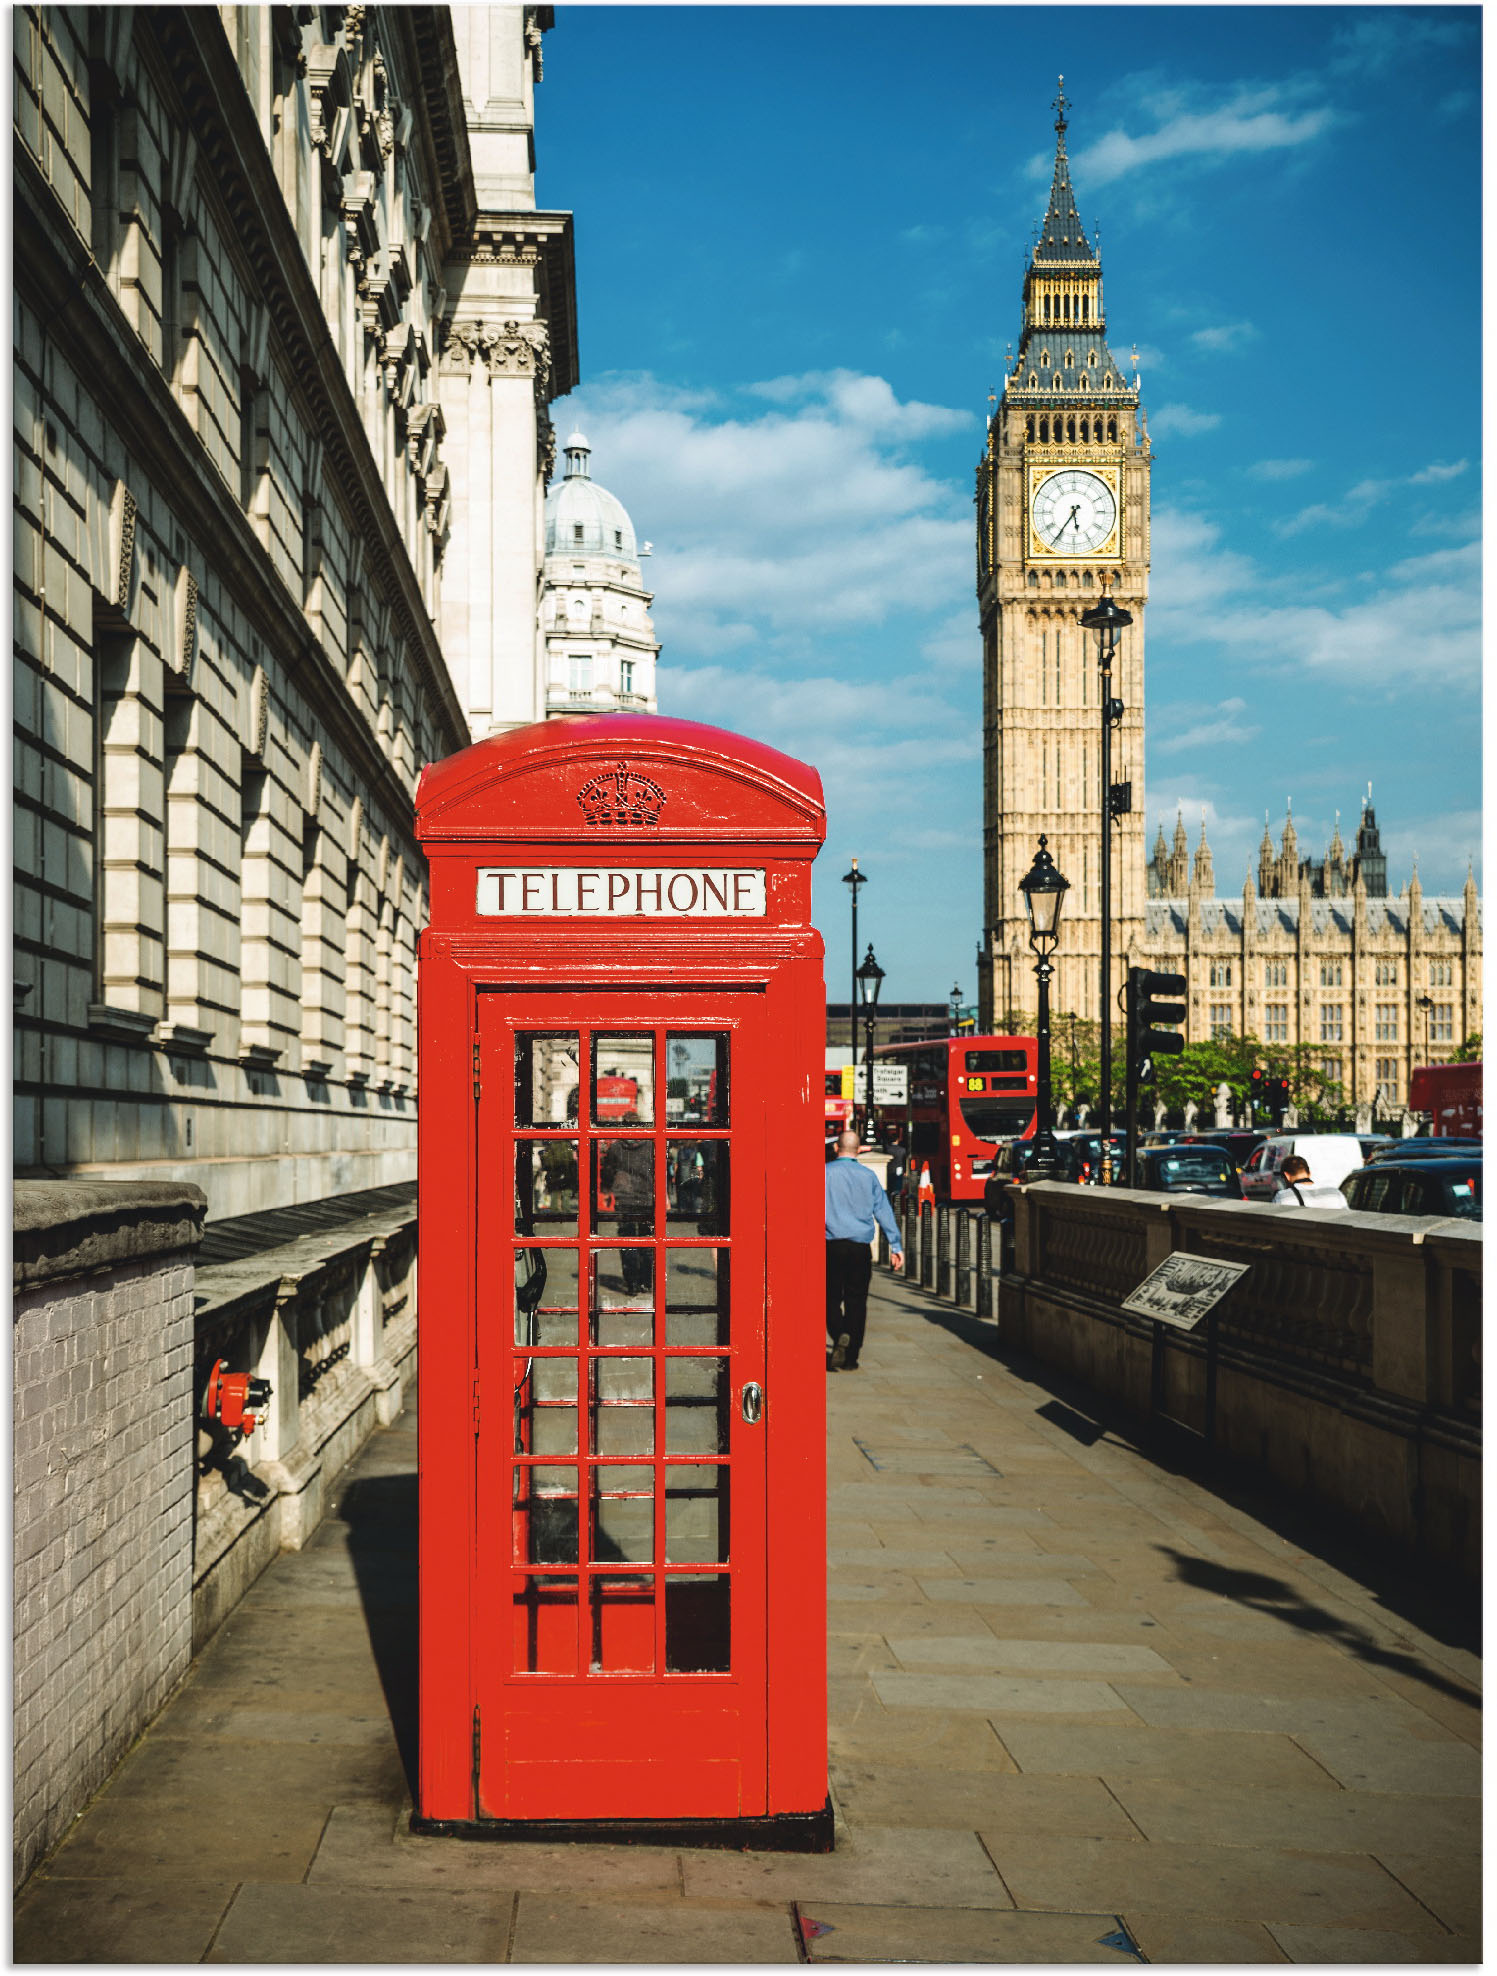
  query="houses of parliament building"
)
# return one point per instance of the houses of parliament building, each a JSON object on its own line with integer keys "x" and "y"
{"x": 1308, "y": 950}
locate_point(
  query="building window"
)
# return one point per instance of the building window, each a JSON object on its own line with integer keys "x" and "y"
{"x": 1330, "y": 974}
{"x": 618, "y": 538}
{"x": 1112, "y": 424}
{"x": 580, "y": 674}
{"x": 1044, "y": 428}
{"x": 1044, "y": 360}
{"x": 1387, "y": 1080}
{"x": 1221, "y": 974}
{"x": 626, "y": 675}
{"x": 576, "y": 531}
{"x": 1221, "y": 1020}
{"x": 1330, "y": 1070}
{"x": 1091, "y": 358}
{"x": 1276, "y": 1022}
{"x": 1069, "y": 360}
{"x": 1386, "y": 1022}
{"x": 1439, "y": 974}
{"x": 1034, "y": 579}
{"x": 1276, "y": 974}
{"x": 1330, "y": 1022}
{"x": 1029, "y": 426}
{"x": 1033, "y": 380}
{"x": 1385, "y": 974}
{"x": 1442, "y": 1023}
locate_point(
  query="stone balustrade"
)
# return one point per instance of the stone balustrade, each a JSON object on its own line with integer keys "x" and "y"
{"x": 1345, "y": 1365}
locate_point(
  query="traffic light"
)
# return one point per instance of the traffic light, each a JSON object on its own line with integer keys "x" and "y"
{"x": 1257, "y": 1092}
{"x": 1147, "y": 1039}
{"x": 1277, "y": 1094}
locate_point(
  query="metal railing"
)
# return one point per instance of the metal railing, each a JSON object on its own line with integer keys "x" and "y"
{"x": 948, "y": 1250}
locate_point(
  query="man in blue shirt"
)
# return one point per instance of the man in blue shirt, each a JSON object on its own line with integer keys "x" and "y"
{"x": 856, "y": 1206}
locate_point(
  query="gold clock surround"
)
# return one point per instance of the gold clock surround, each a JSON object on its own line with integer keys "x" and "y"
{"x": 1040, "y": 462}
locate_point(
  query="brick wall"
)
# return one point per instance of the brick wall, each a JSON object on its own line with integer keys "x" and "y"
{"x": 103, "y": 1424}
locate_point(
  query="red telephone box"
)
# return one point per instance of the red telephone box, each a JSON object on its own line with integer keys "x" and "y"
{"x": 622, "y": 1462}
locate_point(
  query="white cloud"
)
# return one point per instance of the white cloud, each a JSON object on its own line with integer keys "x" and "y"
{"x": 1182, "y": 421}
{"x": 1224, "y": 336}
{"x": 1224, "y": 728}
{"x": 1413, "y": 628}
{"x": 805, "y": 512}
{"x": 1251, "y": 121}
{"x": 1436, "y": 471}
{"x": 1278, "y": 469}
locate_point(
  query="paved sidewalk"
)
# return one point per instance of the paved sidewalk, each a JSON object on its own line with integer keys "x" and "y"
{"x": 1081, "y": 1709}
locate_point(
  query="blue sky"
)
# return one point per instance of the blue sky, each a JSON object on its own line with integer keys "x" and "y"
{"x": 800, "y": 245}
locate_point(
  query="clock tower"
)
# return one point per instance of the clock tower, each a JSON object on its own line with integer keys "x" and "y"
{"x": 1062, "y": 513}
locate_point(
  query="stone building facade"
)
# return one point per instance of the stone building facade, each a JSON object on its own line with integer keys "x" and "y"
{"x": 600, "y": 644}
{"x": 1314, "y": 951}
{"x": 248, "y": 242}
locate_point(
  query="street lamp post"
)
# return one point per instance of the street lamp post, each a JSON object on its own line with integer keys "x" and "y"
{"x": 956, "y": 1008}
{"x": 854, "y": 879}
{"x": 1044, "y": 891}
{"x": 869, "y": 978}
{"x": 1107, "y": 619}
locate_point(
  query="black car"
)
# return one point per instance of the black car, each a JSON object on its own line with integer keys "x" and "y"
{"x": 1188, "y": 1169}
{"x": 1240, "y": 1145}
{"x": 1418, "y": 1186}
{"x": 1425, "y": 1149}
{"x": 1011, "y": 1165}
{"x": 1087, "y": 1148}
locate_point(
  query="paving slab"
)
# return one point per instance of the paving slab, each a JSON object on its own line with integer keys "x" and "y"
{"x": 920, "y": 1739}
{"x": 556, "y": 1929}
{"x": 1204, "y": 1708}
{"x": 276, "y": 1923}
{"x": 1177, "y": 1938}
{"x": 1032, "y": 1656}
{"x": 843, "y": 1933}
{"x": 876, "y": 1794}
{"x": 1020, "y": 1591}
{"x": 897, "y": 1866}
{"x": 362, "y": 1847}
{"x": 1369, "y": 1947}
{"x": 59, "y": 1920}
{"x": 145, "y": 1841}
{"x": 995, "y": 1693}
{"x": 1446, "y": 1888}
{"x": 1208, "y": 1811}
{"x": 1217, "y": 1883}
{"x": 1269, "y": 1762}
{"x": 1448, "y": 1769}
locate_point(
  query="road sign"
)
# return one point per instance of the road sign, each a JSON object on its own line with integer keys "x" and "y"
{"x": 891, "y": 1083}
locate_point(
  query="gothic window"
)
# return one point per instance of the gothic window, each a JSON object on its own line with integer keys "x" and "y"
{"x": 1060, "y": 579}
{"x": 1086, "y": 312}
{"x": 1044, "y": 360}
{"x": 1330, "y": 974}
{"x": 1086, "y": 584}
{"x": 1033, "y": 380}
{"x": 1112, "y": 429}
{"x": 1086, "y": 431}
{"x": 1070, "y": 360}
{"x": 1276, "y": 1022}
{"x": 1439, "y": 974}
{"x": 1387, "y": 1079}
{"x": 1221, "y": 974}
{"x": 1047, "y": 308}
{"x": 1385, "y": 974}
{"x": 1221, "y": 1020}
{"x": 1091, "y": 358}
{"x": 1044, "y": 427}
{"x": 1275, "y": 974}
{"x": 1070, "y": 429}
{"x": 1059, "y": 382}
{"x": 1034, "y": 579}
{"x": 1442, "y": 1023}
{"x": 1386, "y": 1023}
{"x": 1029, "y": 426}
{"x": 1330, "y": 1022}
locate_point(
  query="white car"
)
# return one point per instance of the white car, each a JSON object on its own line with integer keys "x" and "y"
{"x": 1330, "y": 1156}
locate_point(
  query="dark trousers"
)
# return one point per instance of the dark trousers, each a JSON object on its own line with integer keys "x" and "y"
{"x": 849, "y": 1270}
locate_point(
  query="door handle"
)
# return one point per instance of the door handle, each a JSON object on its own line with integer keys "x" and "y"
{"x": 753, "y": 1402}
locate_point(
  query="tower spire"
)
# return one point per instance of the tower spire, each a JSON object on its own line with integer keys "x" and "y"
{"x": 1060, "y": 106}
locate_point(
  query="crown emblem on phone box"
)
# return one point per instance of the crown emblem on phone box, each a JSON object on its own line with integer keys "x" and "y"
{"x": 621, "y": 799}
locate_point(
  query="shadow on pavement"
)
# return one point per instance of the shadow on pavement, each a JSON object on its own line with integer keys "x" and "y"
{"x": 380, "y": 1512}
{"x": 1261, "y": 1593}
{"x": 1426, "y": 1598}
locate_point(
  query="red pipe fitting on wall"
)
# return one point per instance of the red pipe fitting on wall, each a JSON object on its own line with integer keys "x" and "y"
{"x": 237, "y": 1400}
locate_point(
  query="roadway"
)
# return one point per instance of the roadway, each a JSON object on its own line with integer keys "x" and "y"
{"x": 1083, "y": 1709}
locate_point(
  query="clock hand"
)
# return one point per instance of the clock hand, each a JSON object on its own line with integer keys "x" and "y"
{"x": 1063, "y": 527}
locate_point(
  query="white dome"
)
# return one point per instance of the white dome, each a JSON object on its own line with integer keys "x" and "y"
{"x": 584, "y": 519}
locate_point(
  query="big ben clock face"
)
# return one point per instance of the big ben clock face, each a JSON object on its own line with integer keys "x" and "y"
{"x": 1073, "y": 513}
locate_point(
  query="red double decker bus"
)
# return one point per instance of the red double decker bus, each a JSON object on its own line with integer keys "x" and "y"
{"x": 966, "y": 1094}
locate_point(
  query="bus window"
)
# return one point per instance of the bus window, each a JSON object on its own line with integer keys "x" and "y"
{"x": 995, "y": 1118}
{"x": 997, "y": 1060}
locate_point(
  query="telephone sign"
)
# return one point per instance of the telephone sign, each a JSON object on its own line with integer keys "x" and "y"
{"x": 622, "y": 1438}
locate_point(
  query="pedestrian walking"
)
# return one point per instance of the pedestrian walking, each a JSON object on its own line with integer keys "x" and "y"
{"x": 856, "y": 1208}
